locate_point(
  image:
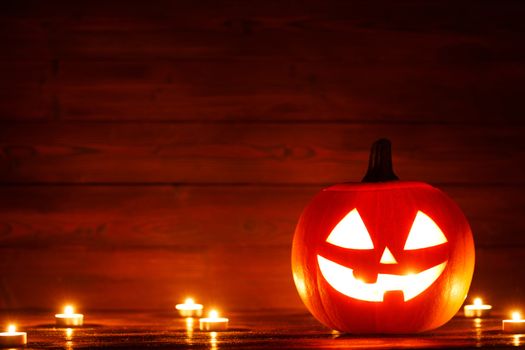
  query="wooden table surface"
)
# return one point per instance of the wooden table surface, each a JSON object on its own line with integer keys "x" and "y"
{"x": 248, "y": 330}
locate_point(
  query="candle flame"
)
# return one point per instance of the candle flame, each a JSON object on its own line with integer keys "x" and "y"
{"x": 189, "y": 301}
{"x": 213, "y": 314}
{"x": 516, "y": 316}
{"x": 478, "y": 302}
{"x": 11, "y": 328}
{"x": 69, "y": 310}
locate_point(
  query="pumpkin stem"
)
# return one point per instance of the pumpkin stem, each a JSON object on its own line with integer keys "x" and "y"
{"x": 380, "y": 167}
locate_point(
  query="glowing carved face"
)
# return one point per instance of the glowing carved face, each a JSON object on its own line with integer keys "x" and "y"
{"x": 351, "y": 234}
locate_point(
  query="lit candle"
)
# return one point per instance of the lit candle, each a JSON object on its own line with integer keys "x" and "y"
{"x": 189, "y": 308}
{"x": 478, "y": 309}
{"x": 12, "y": 337}
{"x": 515, "y": 325}
{"x": 69, "y": 318}
{"x": 213, "y": 322}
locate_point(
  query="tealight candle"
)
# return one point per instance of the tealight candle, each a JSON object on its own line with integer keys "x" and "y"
{"x": 515, "y": 325}
{"x": 189, "y": 309}
{"x": 213, "y": 322}
{"x": 478, "y": 309}
{"x": 12, "y": 337}
{"x": 69, "y": 318}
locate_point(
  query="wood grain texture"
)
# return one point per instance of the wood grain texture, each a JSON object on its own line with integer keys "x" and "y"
{"x": 178, "y": 217}
{"x": 233, "y": 61}
{"x": 275, "y": 89}
{"x": 254, "y": 153}
{"x": 233, "y": 277}
{"x": 148, "y": 152}
{"x": 261, "y": 329}
{"x": 149, "y": 278}
{"x": 229, "y": 244}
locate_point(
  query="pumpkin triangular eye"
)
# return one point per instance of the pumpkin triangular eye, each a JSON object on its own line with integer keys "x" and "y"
{"x": 424, "y": 233}
{"x": 351, "y": 233}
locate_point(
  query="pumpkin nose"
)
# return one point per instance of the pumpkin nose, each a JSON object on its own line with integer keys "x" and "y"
{"x": 387, "y": 257}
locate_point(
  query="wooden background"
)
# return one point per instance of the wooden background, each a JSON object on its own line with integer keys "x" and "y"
{"x": 151, "y": 150}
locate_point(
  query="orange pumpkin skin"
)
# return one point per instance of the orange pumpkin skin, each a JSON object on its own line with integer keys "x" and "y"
{"x": 388, "y": 210}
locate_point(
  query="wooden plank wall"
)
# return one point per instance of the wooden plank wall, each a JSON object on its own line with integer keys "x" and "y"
{"x": 155, "y": 149}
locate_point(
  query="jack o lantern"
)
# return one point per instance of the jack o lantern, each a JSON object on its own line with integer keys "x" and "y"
{"x": 383, "y": 255}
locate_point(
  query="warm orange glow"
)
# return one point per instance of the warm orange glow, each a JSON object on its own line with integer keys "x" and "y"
{"x": 351, "y": 233}
{"x": 11, "y": 328}
{"x": 299, "y": 283}
{"x": 69, "y": 317}
{"x": 189, "y": 305}
{"x": 69, "y": 334}
{"x": 213, "y": 340}
{"x": 69, "y": 310}
{"x": 516, "y": 339}
{"x": 516, "y": 316}
{"x": 342, "y": 279}
{"x": 424, "y": 233}
{"x": 213, "y": 322}
{"x": 477, "y": 309}
{"x": 189, "y": 327}
{"x": 387, "y": 257}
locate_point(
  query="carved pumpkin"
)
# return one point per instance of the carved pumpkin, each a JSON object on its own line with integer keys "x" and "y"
{"x": 383, "y": 255}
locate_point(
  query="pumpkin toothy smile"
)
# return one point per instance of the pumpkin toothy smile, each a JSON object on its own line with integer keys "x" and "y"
{"x": 342, "y": 279}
